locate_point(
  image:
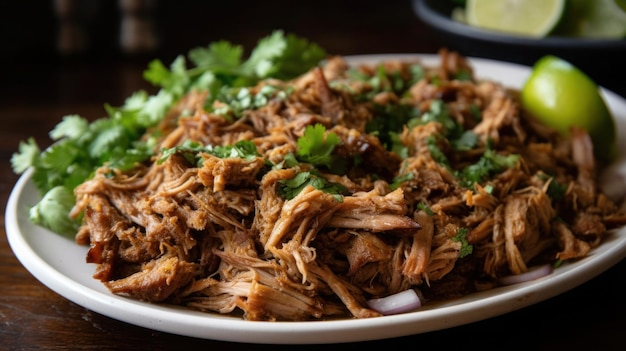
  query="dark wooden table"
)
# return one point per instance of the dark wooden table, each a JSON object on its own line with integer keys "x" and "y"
{"x": 39, "y": 86}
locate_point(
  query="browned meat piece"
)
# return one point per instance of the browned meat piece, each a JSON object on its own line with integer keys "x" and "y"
{"x": 157, "y": 280}
{"x": 527, "y": 217}
{"x": 571, "y": 247}
{"x": 331, "y": 103}
{"x": 354, "y": 302}
{"x": 217, "y": 172}
{"x": 501, "y": 113}
{"x": 373, "y": 211}
{"x": 366, "y": 248}
{"x": 452, "y": 64}
{"x": 418, "y": 258}
{"x": 302, "y": 217}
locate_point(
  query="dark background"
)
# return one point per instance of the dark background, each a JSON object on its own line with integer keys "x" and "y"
{"x": 32, "y": 64}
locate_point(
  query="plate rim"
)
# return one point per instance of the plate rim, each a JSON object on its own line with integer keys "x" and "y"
{"x": 190, "y": 323}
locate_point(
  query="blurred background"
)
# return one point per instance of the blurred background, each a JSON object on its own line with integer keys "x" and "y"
{"x": 94, "y": 50}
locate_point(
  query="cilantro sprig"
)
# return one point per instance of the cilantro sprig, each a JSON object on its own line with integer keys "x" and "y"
{"x": 279, "y": 55}
{"x": 315, "y": 147}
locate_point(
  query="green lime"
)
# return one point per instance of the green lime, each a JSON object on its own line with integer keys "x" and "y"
{"x": 561, "y": 96}
{"x": 594, "y": 19}
{"x": 536, "y": 18}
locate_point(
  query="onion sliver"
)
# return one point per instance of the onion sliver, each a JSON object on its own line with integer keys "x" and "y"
{"x": 533, "y": 273}
{"x": 397, "y": 303}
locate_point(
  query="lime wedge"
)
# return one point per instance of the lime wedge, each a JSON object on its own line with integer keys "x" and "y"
{"x": 594, "y": 19}
{"x": 535, "y": 18}
{"x": 561, "y": 96}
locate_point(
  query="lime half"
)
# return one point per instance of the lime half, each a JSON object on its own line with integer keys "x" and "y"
{"x": 535, "y": 18}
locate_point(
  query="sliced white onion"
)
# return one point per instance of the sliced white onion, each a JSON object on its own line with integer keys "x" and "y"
{"x": 533, "y": 273}
{"x": 397, "y": 303}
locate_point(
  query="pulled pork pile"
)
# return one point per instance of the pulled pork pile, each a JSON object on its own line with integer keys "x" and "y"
{"x": 446, "y": 185}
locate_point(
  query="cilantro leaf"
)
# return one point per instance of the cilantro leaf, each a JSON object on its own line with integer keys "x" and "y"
{"x": 461, "y": 236}
{"x": 290, "y": 188}
{"x": 52, "y": 212}
{"x": 316, "y": 146}
{"x": 72, "y": 126}
{"x": 175, "y": 80}
{"x": 438, "y": 112}
{"x": 219, "y": 57}
{"x": 424, "y": 207}
{"x": 438, "y": 155}
{"x": 244, "y": 149}
{"x": 556, "y": 190}
{"x": 60, "y": 156}
{"x": 27, "y": 156}
{"x": 155, "y": 108}
{"x": 467, "y": 141}
{"x": 283, "y": 56}
{"x": 398, "y": 180}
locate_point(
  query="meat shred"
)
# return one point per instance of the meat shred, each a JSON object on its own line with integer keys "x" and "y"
{"x": 219, "y": 236}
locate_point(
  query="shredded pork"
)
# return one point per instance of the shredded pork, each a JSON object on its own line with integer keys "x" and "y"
{"x": 218, "y": 235}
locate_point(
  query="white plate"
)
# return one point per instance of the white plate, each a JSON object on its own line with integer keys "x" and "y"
{"x": 59, "y": 263}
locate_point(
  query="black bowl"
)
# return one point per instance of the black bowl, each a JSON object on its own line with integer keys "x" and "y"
{"x": 604, "y": 60}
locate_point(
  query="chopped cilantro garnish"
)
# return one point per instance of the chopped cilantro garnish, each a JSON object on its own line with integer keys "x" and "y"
{"x": 397, "y": 146}
{"x": 388, "y": 120}
{"x": 386, "y": 81}
{"x": 438, "y": 112}
{"x": 234, "y": 101}
{"x": 290, "y": 188}
{"x": 489, "y": 164}
{"x": 489, "y": 188}
{"x": 461, "y": 236}
{"x": 435, "y": 151}
{"x": 467, "y": 141}
{"x": 463, "y": 75}
{"x": 191, "y": 151}
{"x": 424, "y": 207}
{"x": 397, "y": 181}
{"x": 556, "y": 191}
